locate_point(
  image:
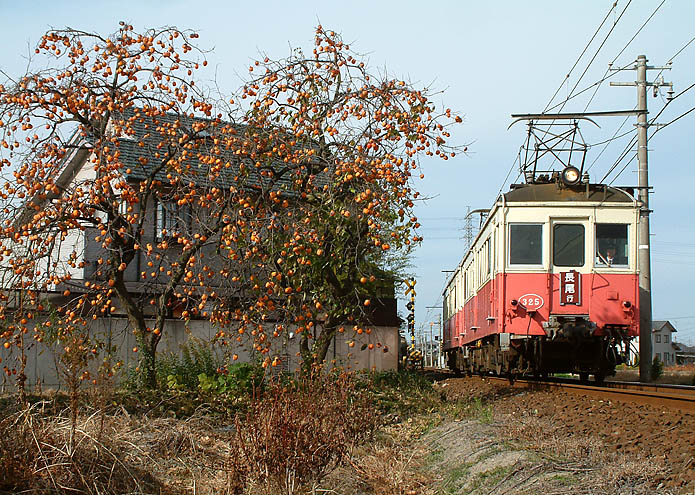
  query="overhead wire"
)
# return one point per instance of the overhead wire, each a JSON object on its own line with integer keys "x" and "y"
{"x": 626, "y": 150}
{"x": 579, "y": 93}
{"x": 608, "y": 70}
{"x": 622, "y": 51}
{"x": 586, "y": 69}
{"x": 672, "y": 121}
{"x": 608, "y": 141}
{"x": 670, "y": 60}
{"x": 635, "y": 139}
{"x": 586, "y": 47}
{"x": 615, "y": 23}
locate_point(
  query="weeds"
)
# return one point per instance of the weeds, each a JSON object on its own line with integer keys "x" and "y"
{"x": 36, "y": 456}
{"x": 402, "y": 394}
{"x": 294, "y": 434}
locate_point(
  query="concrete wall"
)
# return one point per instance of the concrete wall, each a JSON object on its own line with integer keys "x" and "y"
{"x": 43, "y": 365}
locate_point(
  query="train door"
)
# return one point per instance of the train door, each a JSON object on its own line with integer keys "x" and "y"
{"x": 569, "y": 241}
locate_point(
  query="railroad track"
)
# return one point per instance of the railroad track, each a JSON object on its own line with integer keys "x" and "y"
{"x": 671, "y": 396}
{"x": 660, "y": 395}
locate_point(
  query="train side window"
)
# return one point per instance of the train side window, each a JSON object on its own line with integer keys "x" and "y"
{"x": 526, "y": 244}
{"x": 611, "y": 244}
{"x": 568, "y": 244}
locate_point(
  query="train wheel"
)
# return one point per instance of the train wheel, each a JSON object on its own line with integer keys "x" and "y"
{"x": 583, "y": 377}
{"x": 599, "y": 377}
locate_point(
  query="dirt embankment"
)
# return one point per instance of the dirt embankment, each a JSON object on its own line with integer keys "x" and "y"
{"x": 522, "y": 442}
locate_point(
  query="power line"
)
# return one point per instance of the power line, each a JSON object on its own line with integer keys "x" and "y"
{"x": 622, "y": 170}
{"x": 587, "y": 88}
{"x": 615, "y": 23}
{"x": 622, "y": 156}
{"x": 581, "y": 55}
{"x": 638, "y": 31}
{"x": 634, "y": 139}
{"x": 684, "y": 47}
{"x": 672, "y": 121}
{"x": 615, "y": 137}
{"x": 669, "y": 101}
{"x": 608, "y": 141}
{"x": 621, "y": 52}
{"x": 508, "y": 174}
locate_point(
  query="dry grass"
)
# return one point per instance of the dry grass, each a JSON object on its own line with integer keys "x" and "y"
{"x": 683, "y": 374}
{"x": 36, "y": 457}
{"x": 290, "y": 438}
{"x": 390, "y": 465}
{"x": 293, "y": 436}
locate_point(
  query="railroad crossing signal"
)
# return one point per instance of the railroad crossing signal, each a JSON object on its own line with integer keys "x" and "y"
{"x": 410, "y": 283}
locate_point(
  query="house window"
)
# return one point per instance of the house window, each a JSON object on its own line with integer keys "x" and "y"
{"x": 568, "y": 244}
{"x": 526, "y": 244}
{"x": 666, "y": 338}
{"x": 658, "y": 338}
{"x": 171, "y": 218}
{"x": 658, "y": 356}
{"x": 611, "y": 244}
{"x": 122, "y": 206}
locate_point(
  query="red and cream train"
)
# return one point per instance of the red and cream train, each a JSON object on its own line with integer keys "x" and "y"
{"x": 549, "y": 285}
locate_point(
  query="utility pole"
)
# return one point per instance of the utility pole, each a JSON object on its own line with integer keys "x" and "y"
{"x": 431, "y": 346}
{"x": 643, "y": 242}
{"x": 440, "y": 364}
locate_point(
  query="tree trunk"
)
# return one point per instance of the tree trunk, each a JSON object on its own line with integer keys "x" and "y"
{"x": 147, "y": 364}
{"x": 323, "y": 342}
{"x": 146, "y": 347}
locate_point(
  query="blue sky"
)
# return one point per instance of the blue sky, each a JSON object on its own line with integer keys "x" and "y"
{"x": 490, "y": 59}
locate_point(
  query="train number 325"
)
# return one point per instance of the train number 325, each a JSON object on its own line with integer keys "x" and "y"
{"x": 532, "y": 302}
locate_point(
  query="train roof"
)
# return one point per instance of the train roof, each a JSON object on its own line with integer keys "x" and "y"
{"x": 557, "y": 192}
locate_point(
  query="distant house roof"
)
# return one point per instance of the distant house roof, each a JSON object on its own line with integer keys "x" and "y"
{"x": 681, "y": 347}
{"x": 659, "y": 325}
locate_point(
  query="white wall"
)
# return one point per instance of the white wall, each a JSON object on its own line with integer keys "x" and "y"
{"x": 42, "y": 363}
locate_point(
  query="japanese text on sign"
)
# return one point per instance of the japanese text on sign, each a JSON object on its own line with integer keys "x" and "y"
{"x": 570, "y": 288}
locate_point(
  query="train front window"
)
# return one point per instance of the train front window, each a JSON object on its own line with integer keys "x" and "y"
{"x": 568, "y": 244}
{"x": 611, "y": 244}
{"x": 526, "y": 244}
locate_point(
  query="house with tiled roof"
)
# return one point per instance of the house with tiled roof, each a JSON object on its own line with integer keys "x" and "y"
{"x": 139, "y": 153}
{"x": 663, "y": 347}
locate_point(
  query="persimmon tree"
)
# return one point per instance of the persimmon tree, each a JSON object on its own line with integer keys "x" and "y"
{"x": 128, "y": 187}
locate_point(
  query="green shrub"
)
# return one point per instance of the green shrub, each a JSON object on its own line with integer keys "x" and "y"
{"x": 180, "y": 372}
{"x": 236, "y": 379}
{"x": 657, "y": 368}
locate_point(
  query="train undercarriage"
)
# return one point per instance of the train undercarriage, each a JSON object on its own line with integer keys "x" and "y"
{"x": 520, "y": 355}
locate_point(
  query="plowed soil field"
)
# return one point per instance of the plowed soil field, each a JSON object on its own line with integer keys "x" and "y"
{"x": 657, "y": 442}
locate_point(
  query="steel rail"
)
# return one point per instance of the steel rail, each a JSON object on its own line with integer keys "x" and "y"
{"x": 661, "y": 395}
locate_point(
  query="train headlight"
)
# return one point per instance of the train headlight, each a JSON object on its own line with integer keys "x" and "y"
{"x": 571, "y": 176}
